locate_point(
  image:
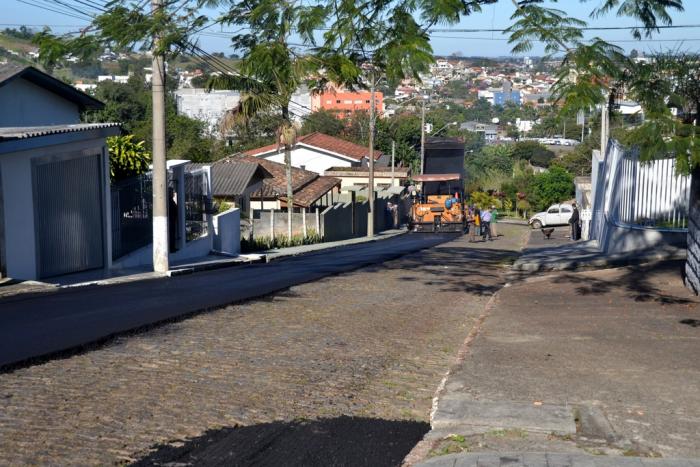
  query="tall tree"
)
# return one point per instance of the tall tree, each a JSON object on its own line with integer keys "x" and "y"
{"x": 271, "y": 68}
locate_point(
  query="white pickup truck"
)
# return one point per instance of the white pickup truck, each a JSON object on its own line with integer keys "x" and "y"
{"x": 556, "y": 214}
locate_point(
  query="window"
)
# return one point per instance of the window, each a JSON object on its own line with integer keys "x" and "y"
{"x": 553, "y": 211}
{"x": 338, "y": 101}
{"x": 367, "y": 101}
{"x": 565, "y": 209}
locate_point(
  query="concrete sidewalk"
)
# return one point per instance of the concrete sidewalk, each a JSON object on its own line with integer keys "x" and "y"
{"x": 559, "y": 253}
{"x": 515, "y": 459}
{"x": 9, "y": 287}
{"x": 574, "y": 364}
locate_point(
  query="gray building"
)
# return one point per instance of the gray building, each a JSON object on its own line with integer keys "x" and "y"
{"x": 54, "y": 178}
{"x": 489, "y": 130}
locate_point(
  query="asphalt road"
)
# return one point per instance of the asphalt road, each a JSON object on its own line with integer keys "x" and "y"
{"x": 37, "y": 326}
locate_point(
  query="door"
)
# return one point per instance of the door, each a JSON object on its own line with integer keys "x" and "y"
{"x": 552, "y": 217}
{"x": 68, "y": 215}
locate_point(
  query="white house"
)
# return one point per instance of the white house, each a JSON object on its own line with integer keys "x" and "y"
{"x": 121, "y": 79}
{"x": 359, "y": 176}
{"x": 54, "y": 178}
{"x": 318, "y": 152}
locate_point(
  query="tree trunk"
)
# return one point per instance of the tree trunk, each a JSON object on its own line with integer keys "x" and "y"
{"x": 692, "y": 263}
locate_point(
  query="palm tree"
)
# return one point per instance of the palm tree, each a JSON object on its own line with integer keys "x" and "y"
{"x": 272, "y": 69}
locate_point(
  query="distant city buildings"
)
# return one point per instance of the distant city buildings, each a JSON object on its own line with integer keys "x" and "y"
{"x": 122, "y": 79}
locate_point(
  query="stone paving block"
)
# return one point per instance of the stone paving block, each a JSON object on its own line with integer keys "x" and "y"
{"x": 353, "y": 344}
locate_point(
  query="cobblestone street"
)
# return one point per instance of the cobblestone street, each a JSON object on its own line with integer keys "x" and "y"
{"x": 373, "y": 343}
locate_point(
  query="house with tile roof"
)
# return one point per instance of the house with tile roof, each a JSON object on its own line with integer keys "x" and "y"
{"x": 317, "y": 152}
{"x": 234, "y": 181}
{"x": 310, "y": 189}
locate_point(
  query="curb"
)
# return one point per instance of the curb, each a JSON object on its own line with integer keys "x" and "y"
{"x": 270, "y": 255}
{"x": 598, "y": 263}
{"x": 214, "y": 265}
{"x": 419, "y": 453}
{"x": 254, "y": 258}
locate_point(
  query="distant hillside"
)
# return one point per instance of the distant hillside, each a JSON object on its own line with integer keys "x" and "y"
{"x": 15, "y": 48}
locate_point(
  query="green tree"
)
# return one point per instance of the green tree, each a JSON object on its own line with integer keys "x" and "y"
{"x": 533, "y": 152}
{"x": 323, "y": 121}
{"x": 554, "y": 186}
{"x": 126, "y": 157}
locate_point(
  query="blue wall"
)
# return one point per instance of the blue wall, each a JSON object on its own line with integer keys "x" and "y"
{"x": 500, "y": 97}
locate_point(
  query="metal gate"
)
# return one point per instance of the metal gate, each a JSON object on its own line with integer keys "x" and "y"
{"x": 68, "y": 206}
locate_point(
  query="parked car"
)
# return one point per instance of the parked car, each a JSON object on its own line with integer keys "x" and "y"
{"x": 556, "y": 214}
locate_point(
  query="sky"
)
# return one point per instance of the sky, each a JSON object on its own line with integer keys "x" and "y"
{"x": 488, "y": 44}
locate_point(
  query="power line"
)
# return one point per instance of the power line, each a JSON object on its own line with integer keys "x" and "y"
{"x": 537, "y": 40}
{"x": 586, "y": 28}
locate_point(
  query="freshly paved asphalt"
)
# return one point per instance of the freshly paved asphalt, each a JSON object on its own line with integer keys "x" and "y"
{"x": 34, "y": 326}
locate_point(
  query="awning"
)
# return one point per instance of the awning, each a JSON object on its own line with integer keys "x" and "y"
{"x": 437, "y": 177}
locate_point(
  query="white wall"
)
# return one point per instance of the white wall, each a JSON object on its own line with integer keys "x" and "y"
{"x": 227, "y": 232}
{"x": 18, "y": 205}
{"x": 26, "y": 104}
{"x": 313, "y": 161}
{"x": 351, "y": 181}
{"x": 208, "y": 107}
{"x": 267, "y": 205}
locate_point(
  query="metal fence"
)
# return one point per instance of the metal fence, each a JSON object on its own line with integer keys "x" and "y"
{"x": 132, "y": 213}
{"x": 648, "y": 194}
{"x": 197, "y": 203}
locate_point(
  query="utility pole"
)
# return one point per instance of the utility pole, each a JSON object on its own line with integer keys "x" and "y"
{"x": 393, "y": 156}
{"x": 422, "y": 136}
{"x": 160, "y": 172}
{"x": 370, "y": 184}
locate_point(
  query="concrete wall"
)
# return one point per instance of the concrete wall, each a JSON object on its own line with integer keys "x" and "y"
{"x": 18, "y": 203}
{"x": 347, "y": 181}
{"x": 33, "y": 105}
{"x": 227, "y": 232}
{"x": 336, "y": 220}
{"x": 144, "y": 256}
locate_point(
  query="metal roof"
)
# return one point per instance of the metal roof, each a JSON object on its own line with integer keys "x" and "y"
{"x": 11, "y": 71}
{"x": 24, "y": 132}
{"x": 232, "y": 178}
